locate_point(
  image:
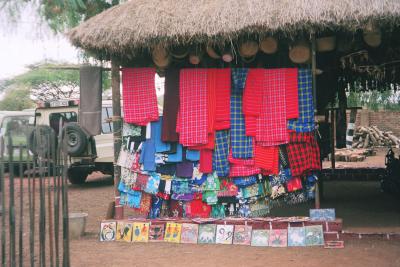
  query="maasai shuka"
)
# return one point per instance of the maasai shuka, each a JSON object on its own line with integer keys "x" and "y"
{"x": 139, "y": 94}
{"x": 193, "y": 115}
{"x": 305, "y": 122}
{"x": 291, "y": 89}
{"x": 253, "y": 93}
{"x": 303, "y": 153}
{"x": 221, "y": 151}
{"x": 223, "y": 94}
{"x": 272, "y": 122}
{"x": 242, "y": 145}
{"x": 267, "y": 158}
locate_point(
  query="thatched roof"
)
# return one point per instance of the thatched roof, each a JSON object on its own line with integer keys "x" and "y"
{"x": 139, "y": 24}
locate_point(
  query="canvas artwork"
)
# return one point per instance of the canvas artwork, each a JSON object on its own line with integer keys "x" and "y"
{"x": 207, "y": 233}
{"x": 296, "y": 236}
{"x": 190, "y": 232}
{"x": 108, "y": 231}
{"x": 322, "y": 214}
{"x": 140, "y": 232}
{"x": 156, "y": 232}
{"x": 224, "y": 234}
{"x": 278, "y": 238}
{"x": 314, "y": 235}
{"x": 260, "y": 238}
{"x": 124, "y": 231}
{"x": 173, "y": 232}
{"x": 242, "y": 235}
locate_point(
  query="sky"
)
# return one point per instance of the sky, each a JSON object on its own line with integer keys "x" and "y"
{"x": 30, "y": 41}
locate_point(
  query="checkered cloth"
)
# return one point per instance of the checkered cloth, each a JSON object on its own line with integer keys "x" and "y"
{"x": 221, "y": 151}
{"x": 245, "y": 162}
{"x": 303, "y": 153}
{"x": 251, "y": 99}
{"x": 267, "y": 158}
{"x": 193, "y": 115}
{"x": 139, "y": 95}
{"x": 237, "y": 170}
{"x": 223, "y": 94}
{"x": 272, "y": 124}
{"x": 305, "y": 122}
{"x": 283, "y": 157}
{"x": 292, "y": 98}
{"x": 206, "y": 163}
{"x": 242, "y": 145}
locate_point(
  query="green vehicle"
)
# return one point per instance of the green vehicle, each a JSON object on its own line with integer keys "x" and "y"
{"x": 15, "y": 126}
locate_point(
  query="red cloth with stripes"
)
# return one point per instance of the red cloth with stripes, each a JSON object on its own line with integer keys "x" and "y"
{"x": 244, "y": 162}
{"x": 272, "y": 122}
{"x": 223, "y": 96}
{"x": 252, "y": 95}
{"x": 139, "y": 95}
{"x": 267, "y": 158}
{"x": 292, "y": 94}
{"x": 237, "y": 170}
{"x": 206, "y": 160}
{"x": 193, "y": 115}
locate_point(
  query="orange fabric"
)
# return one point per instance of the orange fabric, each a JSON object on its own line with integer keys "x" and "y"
{"x": 267, "y": 158}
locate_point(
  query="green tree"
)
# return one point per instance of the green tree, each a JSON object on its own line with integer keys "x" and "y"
{"x": 16, "y": 100}
{"x": 59, "y": 14}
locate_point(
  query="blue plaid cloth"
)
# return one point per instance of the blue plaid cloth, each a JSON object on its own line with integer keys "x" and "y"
{"x": 242, "y": 145}
{"x": 305, "y": 122}
{"x": 221, "y": 152}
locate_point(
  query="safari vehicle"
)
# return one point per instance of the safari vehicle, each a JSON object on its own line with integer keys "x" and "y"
{"x": 86, "y": 153}
{"x": 14, "y": 129}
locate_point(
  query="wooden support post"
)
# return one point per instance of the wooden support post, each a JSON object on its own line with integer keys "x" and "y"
{"x": 333, "y": 120}
{"x": 117, "y": 130}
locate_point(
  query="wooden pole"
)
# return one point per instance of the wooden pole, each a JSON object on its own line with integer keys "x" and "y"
{"x": 314, "y": 84}
{"x": 117, "y": 125}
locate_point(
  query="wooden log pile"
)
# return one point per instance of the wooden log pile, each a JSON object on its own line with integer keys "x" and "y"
{"x": 353, "y": 155}
{"x": 365, "y": 137}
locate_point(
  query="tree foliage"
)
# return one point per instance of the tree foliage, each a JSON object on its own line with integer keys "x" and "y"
{"x": 60, "y": 14}
{"x": 16, "y": 100}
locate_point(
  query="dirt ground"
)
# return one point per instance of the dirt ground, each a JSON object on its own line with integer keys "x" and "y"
{"x": 362, "y": 206}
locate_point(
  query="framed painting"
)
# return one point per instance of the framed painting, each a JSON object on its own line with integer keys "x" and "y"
{"x": 140, "y": 232}
{"x": 242, "y": 235}
{"x": 124, "y": 231}
{"x": 296, "y": 236}
{"x": 224, "y": 234}
{"x": 314, "y": 235}
{"x": 108, "y": 231}
{"x": 173, "y": 232}
{"x": 156, "y": 232}
{"x": 190, "y": 232}
{"x": 278, "y": 238}
{"x": 260, "y": 238}
{"x": 207, "y": 233}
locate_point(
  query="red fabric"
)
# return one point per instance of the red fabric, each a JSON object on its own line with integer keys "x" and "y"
{"x": 252, "y": 95}
{"x": 292, "y": 94}
{"x": 211, "y": 98}
{"x": 236, "y": 170}
{"x": 223, "y": 96}
{"x": 193, "y": 115}
{"x": 294, "y": 184}
{"x": 272, "y": 122}
{"x": 139, "y": 95}
{"x": 303, "y": 153}
{"x": 267, "y": 158}
{"x": 197, "y": 208}
{"x": 206, "y": 160}
{"x": 210, "y": 143}
{"x": 251, "y": 125}
{"x": 171, "y": 106}
{"x": 244, "y": 162}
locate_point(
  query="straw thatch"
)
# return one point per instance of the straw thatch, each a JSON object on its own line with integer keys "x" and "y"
{"x": 139, "y": 24}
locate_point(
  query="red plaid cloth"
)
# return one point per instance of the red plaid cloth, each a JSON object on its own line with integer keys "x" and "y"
{"x": 211, "y": 98}
{"x": 206, "y": 160}
{"x": 303, "y": 153}
{"x": 139, "y": 95}
{"x": 267, "y": 158}
{"x": 193, "y": 114}
{"x": 253, "y": 93}
{"x": 292, "y": 94}
{"x": 223, "y": 97}
{"x": 244, "y": 162}
{"x": 237, "y": 170}
{"x": 272, "y": 123}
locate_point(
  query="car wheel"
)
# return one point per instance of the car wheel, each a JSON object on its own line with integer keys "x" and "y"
{"x": 75, "y": 139}
{"x": 77, "y": 176}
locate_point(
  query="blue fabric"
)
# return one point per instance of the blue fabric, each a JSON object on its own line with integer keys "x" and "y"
{"x": 305, "y": 122}
{"x": 180, "y": 186}
{"x": 193, "y": 155}
{"x": 156, "y": 204}
{"x": 245, "y": 181}
{"x": 134, "y": 199}
{"x": 156, "y": 128}
{"x": 176, "y": 157}
{"x": 147, "y": 156}
{"x": 242, "y": 145}
{"x": 153, "y": 183}
{"x": 221, "y": 152}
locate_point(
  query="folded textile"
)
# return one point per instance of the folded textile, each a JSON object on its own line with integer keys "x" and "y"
{"x": 193, "y": 116}
{"x": 153, "y": 183}
{"x": 192, "y": 155}
{"x": 184, "y": 169}
{"x": 272, "y": 121}
{"x": 305, "y": 121}
{"x": 147, "y": 156}
{"x": 220, "y": 157}
{"x": 303, "y": 153}
{"x": 156, "y": 127}
{"x": 176, "y": 157}
{"x": 166, "y": 169}
{"x": 243, "y": 170}
{"x": 291, "y": 90}
{"x": 244, "y": 162}
{"x": 283, "y": 157}
{"x": 171, "y": 106}
{"x": 156, "y": 204}
{"x": 139, "y": 94}
{"x": 267, "y": 158}
{"x": 206, "y": 156}
{"x": 242, "y": 145}
{"x": 252, "y": 96}
{"x": 244, "y": 181}
{"x": 223, "y": 94}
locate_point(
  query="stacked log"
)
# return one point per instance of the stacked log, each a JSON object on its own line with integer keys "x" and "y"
{"x": 365, "y": 137}
{"x": 353, "y": 155}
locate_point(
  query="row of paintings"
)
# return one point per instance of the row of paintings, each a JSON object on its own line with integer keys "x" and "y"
{"x": 190, "y": 233}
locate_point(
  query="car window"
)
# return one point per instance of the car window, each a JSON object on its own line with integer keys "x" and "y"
{"x": 54, "y": 119}
{"x": 17, "y": 125}
{"x": 106, "y": 115}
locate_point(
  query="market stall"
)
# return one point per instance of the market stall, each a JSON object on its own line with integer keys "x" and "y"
{"x": 234, "y": 134}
